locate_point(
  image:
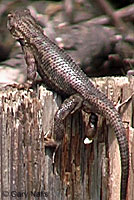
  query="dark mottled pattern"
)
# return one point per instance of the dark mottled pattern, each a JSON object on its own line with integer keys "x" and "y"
{"x": 60, "y": 73}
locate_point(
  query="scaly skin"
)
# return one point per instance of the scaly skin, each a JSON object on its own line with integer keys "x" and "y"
{"x": 60, "y": 73}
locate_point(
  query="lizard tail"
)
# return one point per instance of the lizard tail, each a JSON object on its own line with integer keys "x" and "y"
{"x": 120, "y": 133}
{"x": 110, "y": 113}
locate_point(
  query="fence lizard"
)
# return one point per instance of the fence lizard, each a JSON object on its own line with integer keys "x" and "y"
{"x": 61, "y": 74}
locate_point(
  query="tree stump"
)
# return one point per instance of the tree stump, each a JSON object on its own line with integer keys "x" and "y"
{"x": 81, "y": 171}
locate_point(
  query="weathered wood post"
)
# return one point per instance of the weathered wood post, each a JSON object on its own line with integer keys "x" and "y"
{"x": 80, "y": 171}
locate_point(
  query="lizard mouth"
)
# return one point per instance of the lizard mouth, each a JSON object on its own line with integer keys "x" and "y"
{"x": 10, "y": 23}
{"x": 16, "y": 21}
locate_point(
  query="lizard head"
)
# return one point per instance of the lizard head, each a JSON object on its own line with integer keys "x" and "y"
{"x": 22, "y": 26}
{"x": 16, "y": 22}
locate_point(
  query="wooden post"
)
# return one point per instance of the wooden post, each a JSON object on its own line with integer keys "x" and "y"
{"x": 80, "y": 171}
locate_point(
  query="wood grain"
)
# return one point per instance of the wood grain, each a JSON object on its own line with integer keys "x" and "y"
{"x": 80, "y": 171}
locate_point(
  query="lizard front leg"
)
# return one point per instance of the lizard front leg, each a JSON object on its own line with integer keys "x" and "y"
{"x": 31, "y": 67}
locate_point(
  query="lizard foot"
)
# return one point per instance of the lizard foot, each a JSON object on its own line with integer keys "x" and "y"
{"x": 50, "y": 143}
{"x": 20, "y": 86}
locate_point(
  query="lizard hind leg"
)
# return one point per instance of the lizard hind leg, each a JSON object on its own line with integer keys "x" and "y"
{"x": 69, "y": 106}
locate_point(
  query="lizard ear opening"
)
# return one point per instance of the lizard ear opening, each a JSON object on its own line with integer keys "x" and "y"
{"x": 22, "y": 42}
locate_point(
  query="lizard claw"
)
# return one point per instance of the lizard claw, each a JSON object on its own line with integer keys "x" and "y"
{"x": 50, "y": 143}
{"x": 14, "y": 85}
{"x": 20, "y": 86}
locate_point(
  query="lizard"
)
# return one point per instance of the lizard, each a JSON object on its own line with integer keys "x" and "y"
{"x": 60, "y": 73}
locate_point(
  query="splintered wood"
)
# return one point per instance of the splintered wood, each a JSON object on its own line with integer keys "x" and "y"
{"x": 80, "y": 171}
